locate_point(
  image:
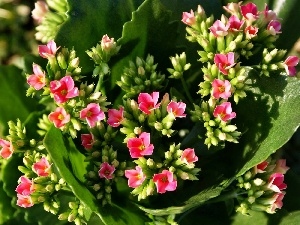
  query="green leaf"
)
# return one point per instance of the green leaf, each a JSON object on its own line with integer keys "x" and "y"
{"x": 291, "y": 218}
{"x": 6, "y": 210}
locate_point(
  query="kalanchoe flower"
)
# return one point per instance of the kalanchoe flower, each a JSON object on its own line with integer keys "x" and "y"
{"x": 37, "y": 80}
{"x": 177, "y": 109}
{"x": 289, "y": 65}
{"x": 107, "y": 43}
{"x": 219, "y": 29}
{"x": 87, "y": 141}
{"x": 269, "y": 14}
{"x": 24, "y": 201}
{"x": 25, "y": 187}
{"x": 188, "y": 18}
{"x": 59, "y": 117}
{"x": 251, "y": 32}
{"x": 115, "y": 117}
{"x": 235, "y": 24}
{"x": 48, "y": 50}
{"x": 64, "y": 89}
{"x": 92, "y": 113}
{"x": 281, "y": 166}
{"x": 260, "y": 168}
{"x": 165, "y": 181}
{"x": 224, "y": 62}
{"x": 148, "y": 102}
{"x": 188, "y": 156}
{"x": 221, "y": 89}
{"x": 6, "y": 149}
{"x": 135, "y": 177}
{"x": 106, "y": 171}
{"x": 274, "y": 27}
{"x": 140, "y": 146}
{"x": 249, "y": 11}
{"x": 276, "y": 182}
{"x": 39, "y": 11}
{"x": 42, "y": 167}
{"x": 276, "y": 202}
{"x": 224, "y": 112}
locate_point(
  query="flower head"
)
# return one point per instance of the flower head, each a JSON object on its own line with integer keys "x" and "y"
{"x": 25, "y": 187}
{"x": 289, "y": 65}
{"x": 135, "y": 177}
{"x": 148, "y": 102}
{"x": 59, "y": 117}
{"x": 87, "y": 141}
{"x": 37, "y": 80}
{"x": 224, "y": 62}
{"x": 188, "y": 156}
{"x": 7, "y": 149}
{"x": 165, "y": 181}
{"x": 106, "y": 171}
{"x": 281, "y": 166}
{"x": 49, "y": 50}
{"x": 249, "y": 11}
{"x": 107, "y": 43}
{"x": 233, "y": 8}
{"x": 251, "y": 32}
{"x": 24, "y": 201}
{"x": 140, "y": 146}
{"x": 177, "y": 109}
{"x": 224, "y": 112}
{"x": 219, "y": 29}
{"x": 274, "y": 27}
{"x": 260, "y": 168}
{"x": 276, "y": 182}
{"x": 115, "y": 117}
{"x": 39, "y": 11}
{"x": 276, "y": 202}
{"x": 42, "y": 167}
{"x": 63, "y": 89}
{"x": 269, "y": 14}
{"x": 189, "y": 18}
{"x": 92, "y": 113}
{"x": 235, "y": 24}
{"x": 221, "y": 89}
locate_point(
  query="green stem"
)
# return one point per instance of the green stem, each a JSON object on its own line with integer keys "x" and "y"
{"x": 99, "y": 86}
{"x": 186, "y": 90}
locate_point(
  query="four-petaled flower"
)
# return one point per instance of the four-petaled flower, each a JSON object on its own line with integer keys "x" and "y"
{"x": 42, "y": 167}
{"x": 106, "y": 171}
{"x": 87, "y": 140}
{"x": 148, "y": 102}
{"x": 269, "y": 14}
{"x": 260, "y": 168}
{"x": 49, "y": 50}
{"x": 135, "y": 177}
{"x": 92, "y": 113}
{"x": 24, "y": 201}
{"x": 219, "y": 29}
{"x": 276, "y": 182}
{"x": 39, "y": 11}
{"x": 276, "y": 202}
{"x": 251, "y": 32}
{"x": 140, "y": 146}
{"x": 289, "y": 65}
{"x": 177, "y": 109}
{"x": 25, "y": 187}
{"x": 188, "y": 156}
{"x": 59, "y": 117}
{"x": 7, "y": 149}
{"x": 235, "y": 24}
{"x": 115, "y": 117}
{"x": 189, "y": 18}
{"x": 37, "y": 80}
{"x": 165, "y": 181}
{"x": 224, "y": 112}
{"x": 249, "y": 11}
{"x": 221, "y": 89}
{"x": 224, "y": 62}
{"x": 274, "y": 27}
{"x": 63, "y": 89}
{"x": 281, "y": 166}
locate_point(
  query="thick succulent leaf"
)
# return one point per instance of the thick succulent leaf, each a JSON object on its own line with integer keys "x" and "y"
{"x": 6, "y": 210}
{"x": 291, "y": 218}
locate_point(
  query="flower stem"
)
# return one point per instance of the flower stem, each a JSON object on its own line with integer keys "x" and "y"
{"x": 99, "y": 86}
{"x": 186, "y": 89}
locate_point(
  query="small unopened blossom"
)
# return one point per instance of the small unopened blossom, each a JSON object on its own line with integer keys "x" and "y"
{"x": 59, "y": 117}
{"x": 115, "y": 117}
{"x": 281, "y": 166}
{"x": 233, "y": 8}
{"x": 25, "y": 187}
{"x": 276, "y": 182}
{"x": 92, "y": 113}
{"x": 188, "y": 156}
{"x": 42, "y": 167}
{"x": 219, "y": 29}
{"x": 276, "y": 202}
{"x": 224, "y": 112}
{"x": 177, "y": 109}
{"x": 39, "y": 11}
{"x": 235, "y": 24}
{"x": 106, "y": 171}
{"x": 24, "y": 201}
{"x": 249, "y": 11}
{"x": 148, "y": 102}
{"x": 135, "y": 177}
{"x": 189, "y": 18}
{"x": 289, "y": 64}
{"x": 87, "y": 141}
{"x": 274, "y": 27}
{"x": 165, "y": 181}
{"x": 6, "y": 149}
{"x": 140, "y": 146}
{"x": 251, "y": 32}
{"x": 48, "y": 50}
{"x": 107, "y": 43}
{"x": 224, "y": 62}
{"x": 221, "y": 89}
{"x": 63, "y": 89}
{"x": 269, "y": 14}
{"x": 37, "y": 80}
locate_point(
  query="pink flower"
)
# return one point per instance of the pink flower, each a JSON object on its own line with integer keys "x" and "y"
{"x": 135, "y": 177}
{"x": 63, "y": 89}
{"x": 224, "y": 62}
{"x": 7, "y": 149}
{"x": 37, "y": 80}
{"x": 221, "y": 89}
{"x": 188, "y": 18}
{"x": 92, "y": 113}
{"x": 24, "y": 201}
{"x": 219, "y": 29}
{"x": 274, "y": 27}
{"x": 289, "y": 65}
{"x": 59, "y": 117}
{"x": 165, "y": 181}
{"x": 25, "y": 187}
{"x": 235, "y": 24}
{"x": 177, "y": 109}
{"x": 276, "y": 182}
{"x": 276, "y": 202}
{"x": 115, "y": 117}
{"x": 251, "y": 32}
{"x": 87, "y": 141}
{"x": 140, "y": 146}
{"x": 281, "y": 166}
{"x": 39, "y": 11}
{"x": 249, "y": 11}
{"x": 106, "y": 171}
{"x": 233, "y": 8}
{"x": 188, "y": 156}
{"x": 49, "y": 50}
{"x": 224, "y": 112}
{"x": 42, "y": 167}
{"x": 107, "y": 43}
{"x": 260, "y": 168}
{"x": 148, "y": 102}
{"x": 269, "y": 14}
